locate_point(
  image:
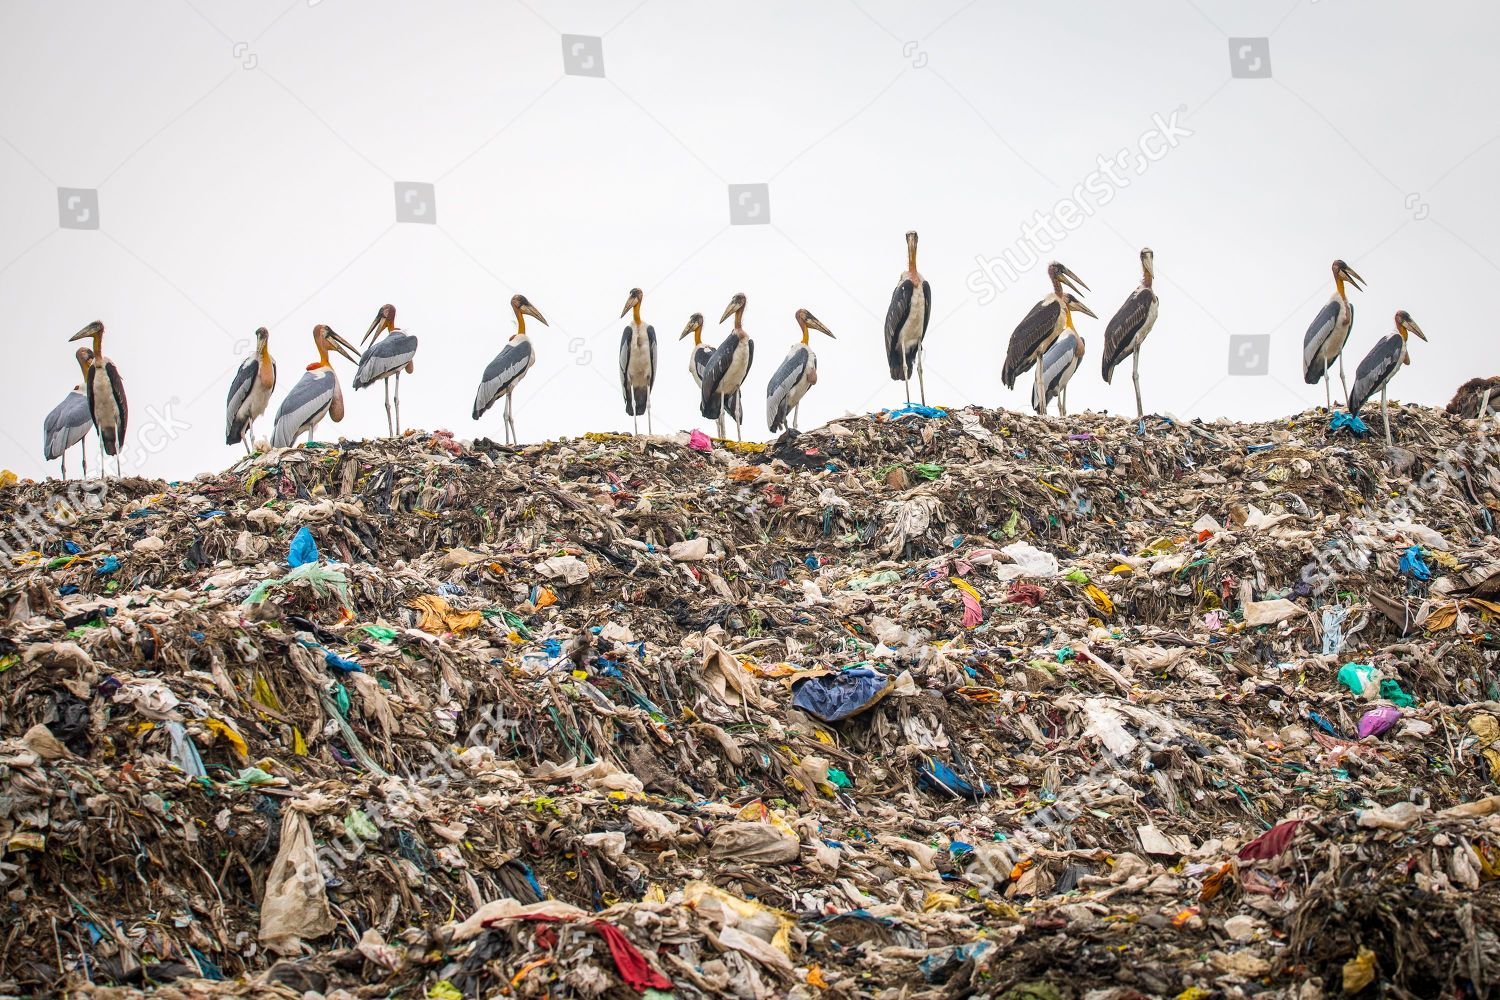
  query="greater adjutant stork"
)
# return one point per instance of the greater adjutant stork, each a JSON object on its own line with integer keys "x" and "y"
{"x": 316, "y": 393}
{"x": 68, "y": 423}
{"x": 509, "y": 367}
{"x": 106, "y": 393}
{"x": 250, "y": 392}
{"x": 1060, "y": 361}
{"x": 1129, "y": 326}
{"x": 797, "y": 374}
{"x": 906, "y": 323}
{"x": 387, "y": 356}
{"x": 637, "y": 362}
{"x": 698, "y": 361}
{"x": 726, "y": 369}
{"x": 1380, "y": 366}
{"x": 1041, "y": 326}
{"x": 1329, "y": 332}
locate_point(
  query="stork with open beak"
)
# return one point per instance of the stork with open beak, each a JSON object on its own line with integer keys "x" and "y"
{"x": 726, "y": 369}
{"x": 797, "y": 374}
{"x": 509, "y": 367}
{"x": 250, "y": 393}
{"x": 906, "y": 322}
{"x": 1381, "y": 365}
{"x": 1041, "y": 327}
{"x": 1129, "y": 326}
{"x": 1329, "y": 332}
{"x": 698, "y": 361}
{"x": 316, "y": 393}
{"x": 637, "y": 362}
{"x": 69, "y": 422}
{"x": 385, "y": 357}
{"x": 1060, "y": 361}
{"x": 106, "y": 395}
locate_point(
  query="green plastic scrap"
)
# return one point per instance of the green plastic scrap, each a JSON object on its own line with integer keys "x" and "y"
{"x": 325, "y": 580}
{"x": 839, "y": 778}
{"x": 872, "y": 579}
{"x": 1391, "y": 691}
{"x": 380, "y": 632}
{"x": 1010, "y": 526}
{"x": 250, "y": 777}
{"x": 927, "y": 471}
{"x": 359, "y": 825}
{"x": 1077, "y": 576}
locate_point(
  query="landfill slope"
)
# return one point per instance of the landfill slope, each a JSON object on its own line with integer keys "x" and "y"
{"x": 925, "y": 704}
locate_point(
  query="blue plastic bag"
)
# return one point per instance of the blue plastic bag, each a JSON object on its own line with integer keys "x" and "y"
{"x": 304, "y": 548}
{"x": 936, "y": 776}
{"x": 835, "y": 697}
{"x": 1412, "y": 564}
{"x": 1341, "y": 421}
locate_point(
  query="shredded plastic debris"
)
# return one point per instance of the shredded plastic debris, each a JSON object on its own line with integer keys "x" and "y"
{"x": 933, "y": 703}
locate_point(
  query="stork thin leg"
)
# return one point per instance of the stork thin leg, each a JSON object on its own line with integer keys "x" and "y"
{"x": 649, "y": 431}
{"x": 1135, "y": 376}
{"x": 509, "y": 426}
{"x": 1062, "y": 402}
{"x": 398, "y": 404}
{"x": 797, "y": 417}
{"x": 390, "y": 428}
{"x": 1343, "y": 384}
{"x": 83, "y": 450}
{"x": 1385, "y": 418}
{"x": 719, "y": 420}
{"x": 65, "y": 465}
{"x": 921, "y": 384}
{"x": 1327, "y": 393}
{"x": 635, "y": 424}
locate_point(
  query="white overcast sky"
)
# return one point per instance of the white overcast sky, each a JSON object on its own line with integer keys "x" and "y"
{"x": 245, "y": 157}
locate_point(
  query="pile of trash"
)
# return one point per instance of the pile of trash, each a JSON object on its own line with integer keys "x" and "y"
{"x": 928, "y": 703}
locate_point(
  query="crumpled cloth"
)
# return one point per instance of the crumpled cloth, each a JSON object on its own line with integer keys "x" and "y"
{"x": 439, "y": 617}
{"x": 634, "y": 968}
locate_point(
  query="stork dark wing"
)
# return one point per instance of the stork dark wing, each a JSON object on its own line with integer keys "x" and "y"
{"x": 501, "y": 375}
{"x": 927, "y": 313}
{"x": 651, "y": 340}
{"x": 1376, "y": 369}
{"x": 713, "y": 373}
{"x": 65, "y": 426}
{"x": 117, "y": 390}
{"x": 1312, "y": 342}
{"x": 895, "y": 319}
{"x": 780, "y": 386}
{"x": 239, "y": 391}
{"x": 1027, "y": 340}
{"x": 625, "y": 371}
{"x": 304, "y": 405}
{"x": 1126, "y": 329}
{"x": 385, "y": 357}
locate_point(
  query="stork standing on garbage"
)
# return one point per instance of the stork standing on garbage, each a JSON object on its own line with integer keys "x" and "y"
{"x": 250, "y": 392}
{"x": 797, "y": 374}
{"x": 637, "y": 362}
{"x": 1381, "y": 365}
{"x": 906, "y": 323}
{"x": 509, "y": 367}
{"x": 1040, "y": 327}
{"x": 1060, "y": 362}
{"x": 384, "y": 358}
{"x": 1129, "y": 326}
{"x": 106, "y": 394}
{"x": 726, "y": 369}
{"x": 69, "y": 422}
{"x": 317, "y": 393}
{"x": 1325, "y": 339}
{"x": 698, "y": 362}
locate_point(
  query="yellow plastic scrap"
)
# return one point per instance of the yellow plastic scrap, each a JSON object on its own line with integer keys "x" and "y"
{"x": 1101, "y": 599}
{"x": 1054, "y": 489}
{"x": 939, "y": 901}
{"x": 767, "y": 923}
{"x": 444, "y": 990}
{"x": 1122, "y": 568}
{"x": 1443, "y": 559}
{"x": 1487, "y": 729}
{"x": 815, "y": 977}
{"x": 1359, "y": 971}
{"x": 438, "y": 617}
{"x": 1193, "y": 993}
{"x": 966, "y": 588}
{"x": 227, "y": 731}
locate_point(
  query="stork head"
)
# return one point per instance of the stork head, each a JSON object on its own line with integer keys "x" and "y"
{"x": 328, "y": 340}
{"x": 85, "y": 356}
{"x": 911, "y": 248}
{"x": 262, "y": 336}
{"x": 1074, "y": 304}
{"x": 807, "y": 321}
{"x": 94, "y": 329}
{"x": 694, "y": 328}
{"x": 522, "y": 306}
{"x": 736, "y": 308}
{"x": 385, "y": 319}
{"x": 1148, "y": 262}
{"x": 1060, "y": 276}
{"x": 1343, "y": 272}
{"x": 1405, "y": 324}
{"x": 632, "y": 301}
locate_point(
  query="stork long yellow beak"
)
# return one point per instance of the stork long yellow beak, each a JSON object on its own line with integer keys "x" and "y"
{"x": 630, "y": 304}
{"x": 1067, "y": 277}
{"x": 1411, "y": 326}
{"x": 1353, "y": 278}
{"x": 735, "y": 305}
{"x": 813, "y": 323}
{"x": 527, "y": 309}
{"x": 692, "y": 327}
{"x": 336, "y": 342}
{"x": 1077, "y": 306}
{"x": 378, "y": 325}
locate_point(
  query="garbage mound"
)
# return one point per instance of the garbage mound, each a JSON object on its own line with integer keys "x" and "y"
{"x": 930, "y": 703}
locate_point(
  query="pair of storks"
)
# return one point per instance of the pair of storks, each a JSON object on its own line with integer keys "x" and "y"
{"x": 1329, "y": 333}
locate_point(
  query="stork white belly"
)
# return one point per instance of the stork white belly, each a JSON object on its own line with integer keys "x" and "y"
{"x": 638, "y": 373}
{"x": 916, "y": 321}
{"x": 255, "y": 404}
{"x": 106, "y": 413}
{"x": 734, "y": 376}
